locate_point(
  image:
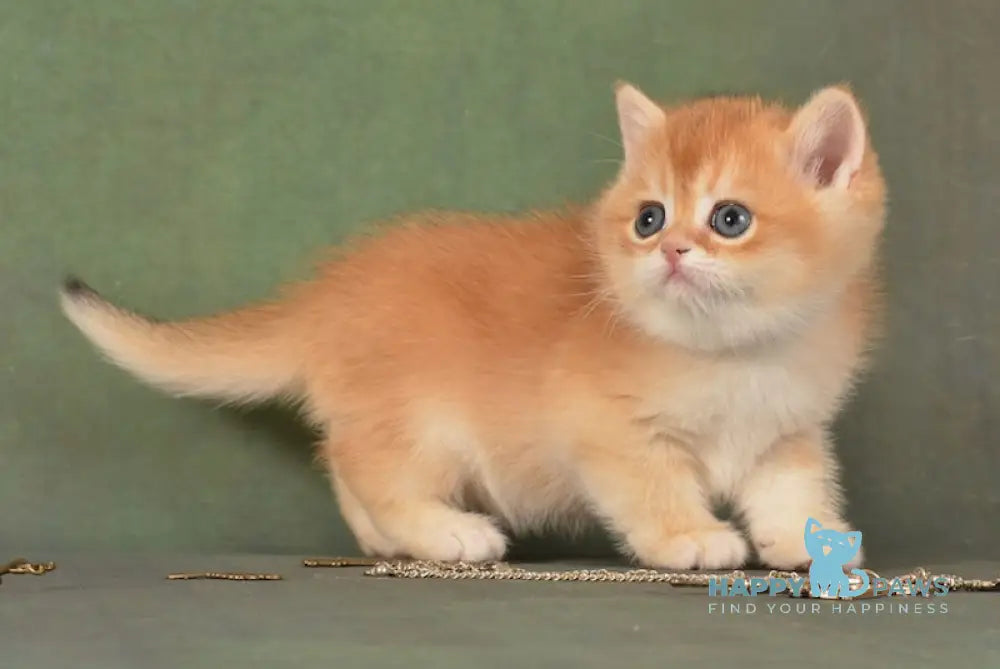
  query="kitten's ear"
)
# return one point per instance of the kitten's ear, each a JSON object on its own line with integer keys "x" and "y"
{"x": 828, "y": 138}
{"x": 637, "y": 116}
{"x": 854, "y": 538}
{"x": 812, "y": 525}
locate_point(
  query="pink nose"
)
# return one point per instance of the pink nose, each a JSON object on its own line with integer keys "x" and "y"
{"x": 673, "y": 249}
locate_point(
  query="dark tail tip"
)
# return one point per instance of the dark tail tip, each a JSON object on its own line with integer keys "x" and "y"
{"x": 77, "y": 289}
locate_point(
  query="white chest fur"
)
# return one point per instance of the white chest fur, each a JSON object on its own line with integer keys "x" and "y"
{"x": 729, "y": 411}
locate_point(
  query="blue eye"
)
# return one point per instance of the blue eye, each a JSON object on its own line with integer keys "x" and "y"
{"x": 730, "y": 219}
{"x": 650, "y": 220}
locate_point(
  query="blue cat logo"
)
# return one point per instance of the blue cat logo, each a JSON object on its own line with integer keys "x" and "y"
{"x": 830, "y": 551}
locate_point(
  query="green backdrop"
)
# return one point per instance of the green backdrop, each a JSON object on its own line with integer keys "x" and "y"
{"x": 187, "y": 156}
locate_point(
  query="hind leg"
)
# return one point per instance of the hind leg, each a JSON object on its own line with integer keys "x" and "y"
{"x": 398, "y": 502}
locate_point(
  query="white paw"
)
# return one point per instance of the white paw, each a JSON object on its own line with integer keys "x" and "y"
{"x": 716, "y": 548}
{"x": 375, "y": 546}
{"x": 784, "y": 549}
{"x": 464, "y": 536}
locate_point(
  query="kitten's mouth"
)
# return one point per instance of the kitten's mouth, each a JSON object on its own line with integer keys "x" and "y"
{"x": 687, "y": 282}
{"x": 676, "y": 273}
{"x": 680, "y": 278}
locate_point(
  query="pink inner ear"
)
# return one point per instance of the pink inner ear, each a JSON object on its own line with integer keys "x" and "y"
{"x": 835, "y": 148}
{"x": 637, "y": 115}
{"x": 829, "y": 140}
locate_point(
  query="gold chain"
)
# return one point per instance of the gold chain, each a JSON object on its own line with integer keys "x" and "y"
{"x": 340, "y": 562}
{"x": 224, "y": 576}
{"x": 501, "y": 571}
{"x": 22, "y": 566}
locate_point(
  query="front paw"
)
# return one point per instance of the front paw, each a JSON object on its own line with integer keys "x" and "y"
{"x": 716, "y": 547}
{"x": 782, "y": 550}
{"x": 786, "y": 549}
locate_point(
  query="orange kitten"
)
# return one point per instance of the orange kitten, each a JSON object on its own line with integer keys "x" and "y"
{"x": 687, "y": 338}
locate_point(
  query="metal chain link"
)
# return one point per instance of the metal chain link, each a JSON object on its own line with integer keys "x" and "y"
{"x": 22, "y": 566}
{"x": 501, "y": 571}
{"x": 224, "y": 576}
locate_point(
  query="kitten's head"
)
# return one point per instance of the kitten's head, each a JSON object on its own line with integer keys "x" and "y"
{"x": 734, "y": 221}
{"x": 831, "y": 546}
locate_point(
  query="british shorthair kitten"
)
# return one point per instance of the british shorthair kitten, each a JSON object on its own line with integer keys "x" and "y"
{"x": 687, "y": 337}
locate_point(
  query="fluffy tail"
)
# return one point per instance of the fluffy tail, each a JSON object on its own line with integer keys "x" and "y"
{"x": 240, "y": 356}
